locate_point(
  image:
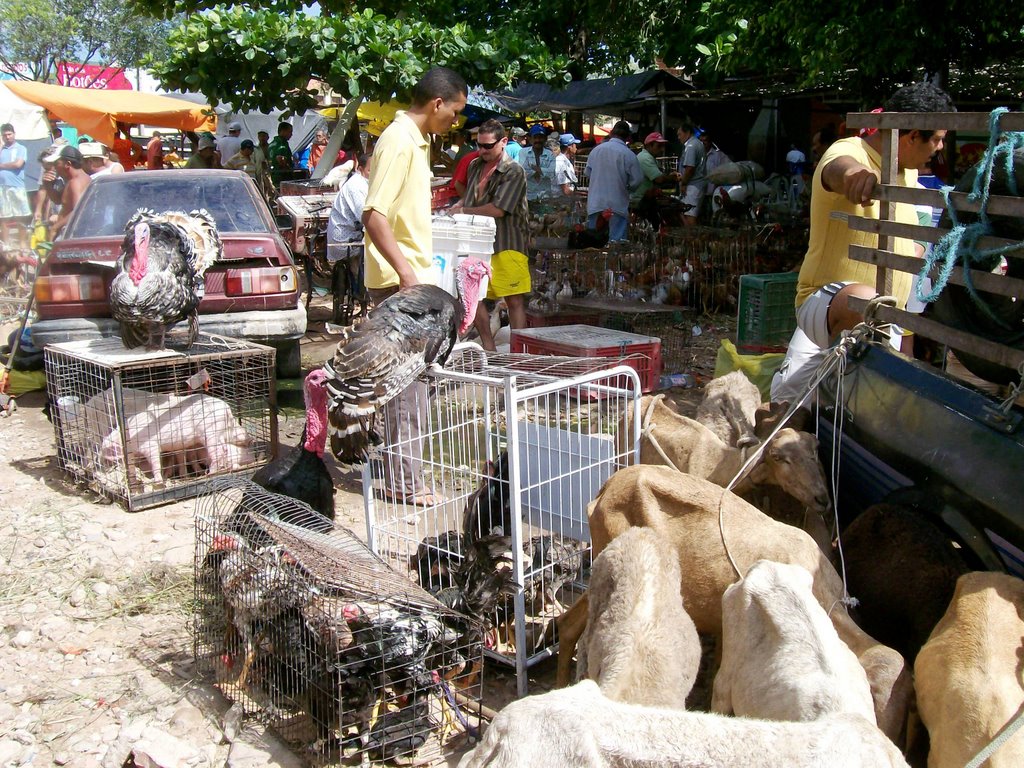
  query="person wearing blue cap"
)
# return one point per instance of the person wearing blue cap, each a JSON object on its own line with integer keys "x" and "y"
{"x": 539, "y": 163}
{"x": 565, "y": 172}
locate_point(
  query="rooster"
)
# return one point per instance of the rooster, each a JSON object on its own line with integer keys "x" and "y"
{"x": 403, "y": 336}
{"x": 301, "y": 473}
{"x": 160, "y": 279}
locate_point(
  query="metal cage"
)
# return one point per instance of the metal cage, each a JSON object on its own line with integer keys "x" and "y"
{"x": 146, "y": 428}
{"x": 513, "y": 447}
{"x": 298, "y": 621}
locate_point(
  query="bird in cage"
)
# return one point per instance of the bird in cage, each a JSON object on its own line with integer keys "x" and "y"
{"x": 301, "y": 472}
{"x": 554, "y": 563}
{"x": 404, "y": 335}
{"x": 160, "y": 274}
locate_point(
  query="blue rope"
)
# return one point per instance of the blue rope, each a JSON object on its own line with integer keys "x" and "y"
{"x": 960, "y": 244}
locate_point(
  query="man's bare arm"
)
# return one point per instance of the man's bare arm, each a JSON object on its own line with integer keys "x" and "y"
{"x": 851, "y": 179}
{"x": 380, "y": 233}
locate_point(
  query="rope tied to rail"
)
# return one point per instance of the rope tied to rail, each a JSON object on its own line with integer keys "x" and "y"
{"x": 959, "y": 246}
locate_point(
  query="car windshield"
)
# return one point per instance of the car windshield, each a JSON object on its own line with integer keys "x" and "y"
{"x": 105, "y": 208}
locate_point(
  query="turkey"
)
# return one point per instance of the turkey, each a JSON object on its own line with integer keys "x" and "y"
{"x": 160, "y": 278}
{"x": 301, "y": 473}
{"x": 404, "y": 335}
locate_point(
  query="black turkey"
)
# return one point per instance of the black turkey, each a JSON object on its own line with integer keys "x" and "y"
{"x": 301, "y": 473}
{"x": 160, "y": 278}
{"x": 404, "y": 335}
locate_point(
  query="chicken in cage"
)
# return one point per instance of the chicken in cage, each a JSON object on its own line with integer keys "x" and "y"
{"x": 513, "y": 448}
{"x": 323, "y": 641}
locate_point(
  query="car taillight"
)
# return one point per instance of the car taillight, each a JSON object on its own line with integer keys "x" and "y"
{"x": 59, "y": 289}
{"x": 257, "y": 281}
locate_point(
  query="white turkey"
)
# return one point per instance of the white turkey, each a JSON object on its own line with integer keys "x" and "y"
{"x": 403, "y": 336}
{"x": 160, "y": 279}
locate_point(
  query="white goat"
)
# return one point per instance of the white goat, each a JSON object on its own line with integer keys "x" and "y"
{"x": 728, "y": 409}
{"x": 781, "y": 656}
{"x": 968, "y": 674}
{"x": 640, "y": 645}
{"x": 579, "y": 727}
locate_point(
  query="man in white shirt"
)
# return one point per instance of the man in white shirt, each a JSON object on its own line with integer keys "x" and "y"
{"x": 229, "y": 145}
{"x": 345, "y": 238}
{"x": 565, "y": 171}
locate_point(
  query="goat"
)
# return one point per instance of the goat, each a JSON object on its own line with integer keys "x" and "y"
{"x": 580, "y": 727}
{"x": 640, "y": 645}
{"x": 686, "y": 511}
{"x": 781, "y": 657}
{"x": 728, "y": 409}
{"x": 968, "y": 674}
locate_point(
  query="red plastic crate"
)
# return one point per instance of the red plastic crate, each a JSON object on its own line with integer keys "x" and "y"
{"x": 641, "y": 353}
{"x": 548, "y": 319}
{"x": 442, "y": 197}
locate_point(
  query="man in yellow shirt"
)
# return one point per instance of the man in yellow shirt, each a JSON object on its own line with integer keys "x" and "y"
{"x": 844, "y": 181}
{"x": 400, "y": 249}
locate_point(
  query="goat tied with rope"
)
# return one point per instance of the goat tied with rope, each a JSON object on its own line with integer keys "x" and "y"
{"x": 717, "y": 536}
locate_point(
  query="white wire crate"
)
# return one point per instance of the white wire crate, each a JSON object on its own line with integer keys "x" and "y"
{"x": 310, "y": 632}
{"x": 514, "y": 447}
{"x": 146, "y": 428}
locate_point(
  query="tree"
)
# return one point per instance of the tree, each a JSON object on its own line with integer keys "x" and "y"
{"x": 36, "y": 35}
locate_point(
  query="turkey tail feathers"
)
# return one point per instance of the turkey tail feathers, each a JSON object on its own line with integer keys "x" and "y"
{"x": 352, "y": 437}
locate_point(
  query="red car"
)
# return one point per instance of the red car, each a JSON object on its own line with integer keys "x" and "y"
{"x": 253, "y": 294}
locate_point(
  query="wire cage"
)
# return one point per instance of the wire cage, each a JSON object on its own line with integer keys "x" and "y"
{"x": 346, "y": 658}
{"x": 146, "y": 428}
{"x": 620, "y": 270}
{"x": 711, "y": 261}
{"x": 511, "y": 448}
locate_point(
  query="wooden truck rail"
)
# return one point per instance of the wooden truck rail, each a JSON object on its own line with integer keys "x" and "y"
{"x": 883, "y": 256}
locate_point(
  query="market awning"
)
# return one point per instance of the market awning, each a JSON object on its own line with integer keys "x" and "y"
{"x": 95, "y": 112}
{"x": 592, "y": 95}
{"x": 28, "y": 119}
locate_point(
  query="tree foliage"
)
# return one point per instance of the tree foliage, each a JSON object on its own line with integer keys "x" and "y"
{"x": 39, "y": 34}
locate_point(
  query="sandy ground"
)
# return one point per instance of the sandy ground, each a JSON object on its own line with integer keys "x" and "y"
{"x": 95, "y": 652}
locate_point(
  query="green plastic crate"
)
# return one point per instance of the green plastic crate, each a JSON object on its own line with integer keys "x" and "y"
{"x": 767, "y": 316}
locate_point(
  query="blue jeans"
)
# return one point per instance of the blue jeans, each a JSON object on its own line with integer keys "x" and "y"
{"x": 618, "y": 227}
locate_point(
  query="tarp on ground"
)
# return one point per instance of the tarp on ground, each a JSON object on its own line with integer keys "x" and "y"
{"x": 95, "y": 112}
{"x": 29, "y": 120}
{"x": 610, "y": 93}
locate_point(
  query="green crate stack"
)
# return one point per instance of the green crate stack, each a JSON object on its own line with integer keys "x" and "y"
{"x": 767, "y": 317}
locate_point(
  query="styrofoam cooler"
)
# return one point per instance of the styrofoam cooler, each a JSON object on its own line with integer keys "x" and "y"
{"x": 459, "y": 237}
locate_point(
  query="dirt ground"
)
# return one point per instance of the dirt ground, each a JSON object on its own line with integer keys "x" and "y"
{"x": 95, "y": 652}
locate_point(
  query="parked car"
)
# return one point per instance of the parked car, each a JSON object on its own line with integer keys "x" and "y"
{"x": 253, "y": 294}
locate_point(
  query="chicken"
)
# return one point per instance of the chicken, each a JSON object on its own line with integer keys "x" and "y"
{"x": 301, "y": 473}
{"x": 553, "y": 564}
{"x": 436, "y": 560}
{"x": 400, "y": 733}
{"x": 160, "y": 278}
{"x": 404, "y": 335}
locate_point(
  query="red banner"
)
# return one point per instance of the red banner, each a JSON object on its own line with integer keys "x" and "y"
{"x": 92, "y": 76}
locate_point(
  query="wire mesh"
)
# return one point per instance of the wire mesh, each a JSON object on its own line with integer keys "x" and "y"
{"x": 480, "y": 489}
{"x": 706, "y": 264}
{"x": 152, "y": 427}
{"x": 619, "y": 271}
{"x": 297, "y": 620}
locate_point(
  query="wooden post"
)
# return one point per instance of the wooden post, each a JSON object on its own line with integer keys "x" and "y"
{"x": 890, "y": 170}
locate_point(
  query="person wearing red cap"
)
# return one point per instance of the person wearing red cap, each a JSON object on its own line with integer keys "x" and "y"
{"x": 643, "y": 198}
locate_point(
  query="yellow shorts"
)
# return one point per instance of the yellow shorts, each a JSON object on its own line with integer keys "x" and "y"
{"x": 510, "y": 274}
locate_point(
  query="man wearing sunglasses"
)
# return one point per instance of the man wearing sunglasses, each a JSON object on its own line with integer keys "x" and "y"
{"x": 497, "y": 188}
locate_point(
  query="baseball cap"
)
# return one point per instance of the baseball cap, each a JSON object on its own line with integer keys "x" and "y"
{"x": 566, "y": 139}
{"x": 62, "y": 152}
{"x": 517, "y": 131}
{"x": 247, "y": 144}
{"x": 538, "y": 130}
{"x": 654, "y": 136}
{"x": 234, "y": 127}
{"x": 93, "y": 149}
{"x": 205, "y": 142}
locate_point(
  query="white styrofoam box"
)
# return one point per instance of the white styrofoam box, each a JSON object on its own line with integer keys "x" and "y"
{"x": 458, "y": 237}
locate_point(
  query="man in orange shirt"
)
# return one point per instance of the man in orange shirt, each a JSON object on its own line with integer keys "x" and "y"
{"x": 129, "y": 154}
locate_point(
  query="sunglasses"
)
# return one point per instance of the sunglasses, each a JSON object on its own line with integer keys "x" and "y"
{"x": 492, "y": 145}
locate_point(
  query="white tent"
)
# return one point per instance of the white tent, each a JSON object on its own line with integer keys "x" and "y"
{"x": 28, "y": 119}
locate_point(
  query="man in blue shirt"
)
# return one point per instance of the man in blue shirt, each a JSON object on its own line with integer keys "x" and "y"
{"x": 13, "y": 198}
{"x": 614, "y": 173}
{"x": 512, "y": 146}
{"x": 539, "y": 164}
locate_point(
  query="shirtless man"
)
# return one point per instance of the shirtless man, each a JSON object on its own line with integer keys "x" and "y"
{"x": 67, "y": 161}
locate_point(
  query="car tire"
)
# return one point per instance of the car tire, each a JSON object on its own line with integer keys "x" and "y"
{"x": 289, "y": 360}
{"x": 902, "y": 568}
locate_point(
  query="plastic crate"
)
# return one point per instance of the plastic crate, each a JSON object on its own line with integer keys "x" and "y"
{"x": 767, "y": 317}
{"x": 642, "y": 353}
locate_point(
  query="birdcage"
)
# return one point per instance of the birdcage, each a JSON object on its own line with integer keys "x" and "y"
{"x": 704, "y": 264}
{"x": 511, "y": 449}
{"x": 618, "y": 271}
{"x": 309, "y": 631}
{"x": 145, "y": 428}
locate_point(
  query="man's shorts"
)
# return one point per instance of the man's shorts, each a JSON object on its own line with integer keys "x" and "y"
{"x": 510, "y": 275}
{"x": 694, "y": 195}
{"x": 812, "y": 315}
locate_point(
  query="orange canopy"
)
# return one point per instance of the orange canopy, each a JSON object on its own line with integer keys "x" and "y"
{"x": 95, "y": 112}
